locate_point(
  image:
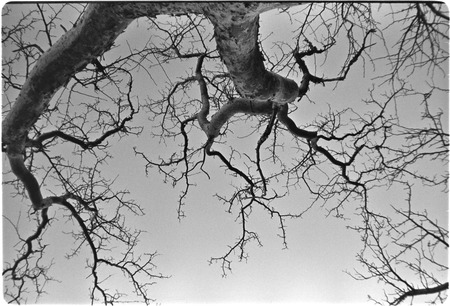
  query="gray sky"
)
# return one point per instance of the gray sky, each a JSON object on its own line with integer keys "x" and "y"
{"x": 319, "y": 250}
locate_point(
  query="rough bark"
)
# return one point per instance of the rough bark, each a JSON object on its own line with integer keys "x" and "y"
{"x": 236, "y": 32}
{"x": 95, "y": 33}
{"x": 236, "y": 28}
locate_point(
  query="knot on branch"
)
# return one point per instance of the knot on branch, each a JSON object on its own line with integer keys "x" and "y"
{"x": 46, "y": 203}
{"x": 313, "y": 142}
{"x": 285, "y": 91}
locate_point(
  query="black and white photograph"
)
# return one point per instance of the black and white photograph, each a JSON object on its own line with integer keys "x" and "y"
{"x": 225, "y": 153}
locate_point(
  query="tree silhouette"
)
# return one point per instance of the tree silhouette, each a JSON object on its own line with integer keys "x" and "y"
{"x": 70, "y": 84}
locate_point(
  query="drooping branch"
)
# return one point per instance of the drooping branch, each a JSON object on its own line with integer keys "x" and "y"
{"x": 28, "y": 266}
{"x": 261, "y": 140}
{"x": 16, "y": 161}
{"x": 130, "y": 266}
{"x": 13, "y": 270}
{"x": 237, "y": 171}
{"x": 291, "y": 126}
{"x": 94, "y": 34}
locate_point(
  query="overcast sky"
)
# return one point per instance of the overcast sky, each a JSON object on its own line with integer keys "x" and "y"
{"x": 320, "y": 248}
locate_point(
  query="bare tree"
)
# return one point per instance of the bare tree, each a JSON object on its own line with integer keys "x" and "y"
{"x": 66, "y": 87}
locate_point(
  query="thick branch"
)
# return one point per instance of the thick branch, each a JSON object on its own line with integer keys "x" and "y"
{"x": 19, "y": 169}
{"x": 95, "y": 34}
{"x": 236, "y": 33}
{"x": 291, "y": 126}
{"x": 204, "y": 112}
{"x": 237, "y": 106}
{"x": 423, "y": 291}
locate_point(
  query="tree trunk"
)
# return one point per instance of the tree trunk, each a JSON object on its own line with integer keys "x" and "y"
{"x": 236, "y": 32}
{"x": 236, "y": 28}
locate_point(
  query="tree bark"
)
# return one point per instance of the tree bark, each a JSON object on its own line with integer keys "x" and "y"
{"x": 236, "y": 33}
{"x": 236, "y": 27}
{"x": 96, "y": 32}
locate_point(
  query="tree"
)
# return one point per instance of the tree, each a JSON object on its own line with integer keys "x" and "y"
{"x": 70, "y": 95}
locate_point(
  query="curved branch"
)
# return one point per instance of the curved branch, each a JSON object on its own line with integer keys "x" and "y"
{"x": 204, "y": 112}
{"x": 19, "y": 169}
{"x": 291, "y": 126}
{"x": 237, "y": 106}
{"x": 29, "y": 243}
{"x": 236, "y": 33}
{"x": 94, "y": 34}
{"x": 226, "y": 162}
{"x": 313, "y": 137}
